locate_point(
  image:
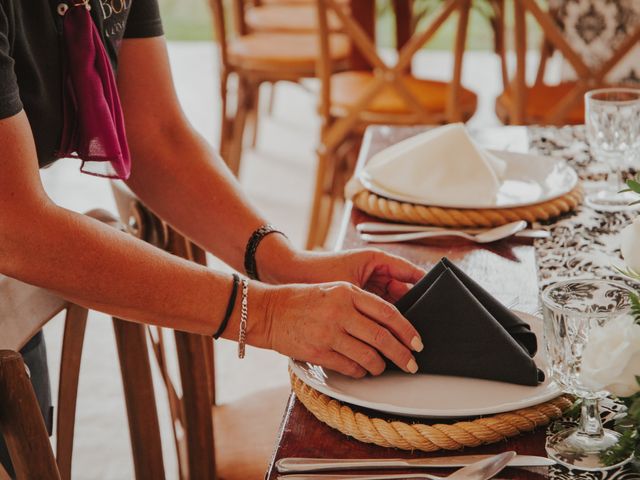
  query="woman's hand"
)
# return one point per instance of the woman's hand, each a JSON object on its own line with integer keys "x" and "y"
{"x": 388, "y": 276}
{"x": 335, "y": 325}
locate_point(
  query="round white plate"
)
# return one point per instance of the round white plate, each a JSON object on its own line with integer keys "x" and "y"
{"x": 529, "y": 179}
{"x": 431, "y": 396}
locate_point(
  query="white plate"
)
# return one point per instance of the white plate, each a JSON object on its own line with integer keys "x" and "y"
{"x": 432, "y": 396}
{"x": 529, "y": 180}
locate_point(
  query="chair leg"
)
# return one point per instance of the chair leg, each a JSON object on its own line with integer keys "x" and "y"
{"x": 226, "y": 130}
{"x": 21, "y": 422}
{"x": 240, "y": 120}
{"x": 74, "y": 328}
{"x": 254, "y": 115}
{"x": 322, "y": 206}
{"x": 144, "y": 429}
{"x": 272, "y": 99}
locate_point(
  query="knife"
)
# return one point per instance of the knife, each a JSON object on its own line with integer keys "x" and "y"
{"x": 289, "y": 465}
{"x": 380, "y": 227}
{"x": 482, "y": 470}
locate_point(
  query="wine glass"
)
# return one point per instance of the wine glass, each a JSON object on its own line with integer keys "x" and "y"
{"x": 571, "y": 309}
{"x": 612, "y": 121}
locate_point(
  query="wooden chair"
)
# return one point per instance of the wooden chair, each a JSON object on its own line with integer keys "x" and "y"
{"x": 258, "y": 58}
{"x": 24, "y": 310}
{"x": 542, "y": 103}
{"x": 231, "y": 441}
{"x": 352, "y": 100}
{"x": 286, "y": 18}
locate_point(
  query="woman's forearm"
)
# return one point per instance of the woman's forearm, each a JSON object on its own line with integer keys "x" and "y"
{"x": 102, "y": 268}
{"x": 170, "y": 167}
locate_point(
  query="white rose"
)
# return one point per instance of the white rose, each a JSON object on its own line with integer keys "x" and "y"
{"x": 630, "y": 245}
{"x": 611, "y": 358}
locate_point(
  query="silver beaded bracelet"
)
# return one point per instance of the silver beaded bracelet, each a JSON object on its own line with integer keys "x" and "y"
{"x": 244, "y": 313}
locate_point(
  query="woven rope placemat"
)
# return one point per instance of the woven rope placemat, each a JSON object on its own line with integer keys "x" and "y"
{"x": 458, "y": 217}
{"x": 428, "y": 438}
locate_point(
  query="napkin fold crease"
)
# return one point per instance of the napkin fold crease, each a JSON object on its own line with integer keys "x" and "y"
{"x": 466, "y": 331}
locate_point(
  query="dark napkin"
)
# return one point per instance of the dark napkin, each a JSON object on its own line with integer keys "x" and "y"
{"x": 467, "y": 332}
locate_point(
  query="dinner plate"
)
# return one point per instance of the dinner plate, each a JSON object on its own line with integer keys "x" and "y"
{"x": 432, "y": 396}
{"x": 529, "y": 180}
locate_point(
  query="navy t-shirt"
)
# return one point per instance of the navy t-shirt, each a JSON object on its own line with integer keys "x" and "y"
{"x": 31, "y": 57}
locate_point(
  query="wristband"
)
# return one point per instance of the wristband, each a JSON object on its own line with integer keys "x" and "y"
{"x": 252, "y": 245}
{"x": 230, "y": 305}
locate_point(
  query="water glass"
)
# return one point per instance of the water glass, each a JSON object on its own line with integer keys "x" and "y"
{"x": 612, "y": 121}
{"x": 571, "y": 309}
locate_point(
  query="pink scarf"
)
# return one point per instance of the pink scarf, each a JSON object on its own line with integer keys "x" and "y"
{"x": 93, "y": 129}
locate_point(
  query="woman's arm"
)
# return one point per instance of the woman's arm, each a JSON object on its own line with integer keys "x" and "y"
{"x": 336, "y": 325}
{"x": 175, "y": 172}
{"x": 185, "y": 182}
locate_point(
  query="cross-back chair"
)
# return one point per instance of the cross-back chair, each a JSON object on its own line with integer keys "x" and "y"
{"x": 382, "y": 94}
{"x": 540, "y": 102}
{"x": 256, "y": 58}
{"x": 229, "y": 441}
{"x": 24, "y": 310}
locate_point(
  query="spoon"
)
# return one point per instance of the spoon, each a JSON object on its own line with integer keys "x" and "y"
{"x": 487, "y": 236}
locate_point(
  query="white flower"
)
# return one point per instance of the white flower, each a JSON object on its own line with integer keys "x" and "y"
{"x": 630, "y": 245}
{"x": 611, "y": 358}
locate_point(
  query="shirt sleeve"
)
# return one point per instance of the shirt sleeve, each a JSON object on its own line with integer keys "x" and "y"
{"x": 143, "y": 20}
{"x": 10, "y": 103}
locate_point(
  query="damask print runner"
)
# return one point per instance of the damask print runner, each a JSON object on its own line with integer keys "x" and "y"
{"x": 584, "y": 244}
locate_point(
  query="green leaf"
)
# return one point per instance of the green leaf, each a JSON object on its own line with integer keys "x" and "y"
{"x": 634, "y": 185}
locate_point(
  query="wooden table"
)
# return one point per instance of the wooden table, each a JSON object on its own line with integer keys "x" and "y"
{"x": 506, "y": 269}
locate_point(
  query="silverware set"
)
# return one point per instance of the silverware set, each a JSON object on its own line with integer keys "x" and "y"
{"x": 474, "y": 467}
{"x": 380, "y": 232}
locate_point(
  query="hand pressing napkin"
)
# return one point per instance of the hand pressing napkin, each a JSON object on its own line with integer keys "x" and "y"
{"x": 466, "y": 332}
{"x": 443, "y": 166}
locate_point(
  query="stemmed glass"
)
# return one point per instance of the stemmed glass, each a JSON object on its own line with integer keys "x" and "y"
{"x": 571, "y": 309}
{"x": 612, "y": 120}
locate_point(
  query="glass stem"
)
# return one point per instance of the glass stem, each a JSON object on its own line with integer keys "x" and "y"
{"x": 615, "y": 179}
{"x": 590, "y": 421}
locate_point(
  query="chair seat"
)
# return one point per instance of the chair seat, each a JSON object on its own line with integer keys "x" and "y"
{"x": 275, "y": 51}
{"x": 245, "y": 434}
{"x": 287, "y": 18}
{"x": 541, "y": 99}
{"x": 347, "y": 87}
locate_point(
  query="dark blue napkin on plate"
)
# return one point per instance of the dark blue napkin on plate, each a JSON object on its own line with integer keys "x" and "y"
{"x": 466, "y": 332}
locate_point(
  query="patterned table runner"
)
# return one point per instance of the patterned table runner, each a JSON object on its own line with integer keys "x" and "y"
{"x": 584, "y": 243}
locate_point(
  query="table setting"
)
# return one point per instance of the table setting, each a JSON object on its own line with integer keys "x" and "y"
{"x": 528, "y": 312}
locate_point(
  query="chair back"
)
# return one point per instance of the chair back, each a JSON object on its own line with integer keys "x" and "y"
{"x": 558, "y": 35}
{"x": 24, "y": 310}
{"x": 386, "y": 77}
{"x": 192, "y": 396}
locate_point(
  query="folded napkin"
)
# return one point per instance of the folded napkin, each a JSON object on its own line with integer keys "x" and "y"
{"x": 466, "y": 332}
{"x": 443, "y": 166}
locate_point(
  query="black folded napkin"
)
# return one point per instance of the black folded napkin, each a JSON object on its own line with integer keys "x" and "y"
{"x": 466, "y": 332}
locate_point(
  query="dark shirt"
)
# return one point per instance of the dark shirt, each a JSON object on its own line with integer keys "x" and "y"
{"x": 31, "y": 57}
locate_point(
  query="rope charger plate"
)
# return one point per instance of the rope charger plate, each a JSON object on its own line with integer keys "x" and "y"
{"x": 423, "y": 436}
{"x": 388, "y": 209}
{"x": 458, "y": 412}
{"x": 534, "y": 188}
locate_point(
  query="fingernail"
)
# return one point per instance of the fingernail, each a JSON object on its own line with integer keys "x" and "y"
{"x": 412, "y": 366}
{"x": 416, "y": 344}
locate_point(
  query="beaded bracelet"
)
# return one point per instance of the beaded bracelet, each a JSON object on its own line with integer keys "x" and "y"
{"x": 244, "y": 314}
{"x": 230, "y": 305}
{"x": 252, "y": 245}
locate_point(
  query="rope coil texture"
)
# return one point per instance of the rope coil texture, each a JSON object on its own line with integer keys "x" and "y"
{"x": 428, "y": 438}
{"x": 454, "y": 217}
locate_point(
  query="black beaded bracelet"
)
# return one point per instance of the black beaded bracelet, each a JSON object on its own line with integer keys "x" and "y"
{"x": 230, "y": 305}
{"x": 252, "y": 245}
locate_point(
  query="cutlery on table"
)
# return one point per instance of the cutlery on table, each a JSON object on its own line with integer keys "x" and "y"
{"x": 486, "y": 236}
{"x": 482, "y": 470}
{"x": 289, "y": 465}
{"x": 382, "y": 227}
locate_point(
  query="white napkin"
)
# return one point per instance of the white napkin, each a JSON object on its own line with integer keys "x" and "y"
{"x": 442, "y": 166}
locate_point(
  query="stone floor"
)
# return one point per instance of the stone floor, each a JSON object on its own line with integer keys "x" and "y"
{"x": 278, "y": 176}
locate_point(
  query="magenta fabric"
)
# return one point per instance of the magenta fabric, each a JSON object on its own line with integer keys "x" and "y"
{"x": 93, "y": 129}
